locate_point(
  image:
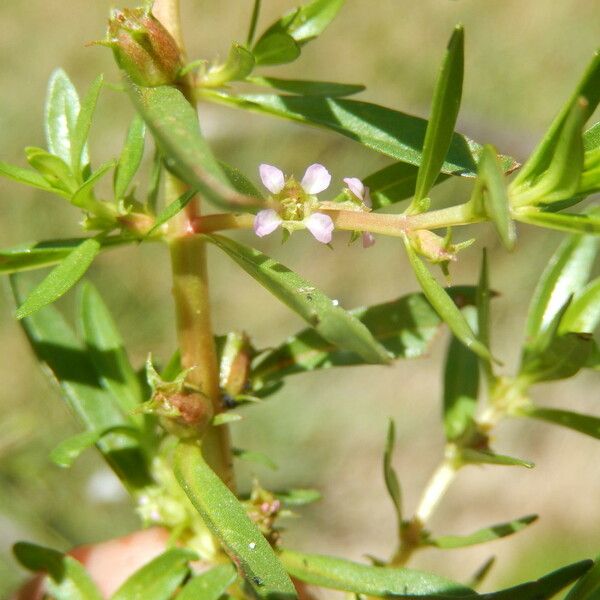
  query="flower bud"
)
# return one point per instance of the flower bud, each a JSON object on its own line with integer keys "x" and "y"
{"x": 143, "y": 48}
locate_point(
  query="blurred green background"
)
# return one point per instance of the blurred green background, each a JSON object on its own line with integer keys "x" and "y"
{"x": 324, "y": 429}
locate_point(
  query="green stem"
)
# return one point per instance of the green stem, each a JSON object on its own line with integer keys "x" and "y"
{"x": 253, "y": 21}
{"x": 192, "y": 300}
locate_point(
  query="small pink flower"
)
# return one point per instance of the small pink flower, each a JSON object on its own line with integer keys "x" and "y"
{"x": 316, "y": 179}
{"x": 361, "y": 191}
{"x": 266, "y": 222}
{"x": 321, "y": 226}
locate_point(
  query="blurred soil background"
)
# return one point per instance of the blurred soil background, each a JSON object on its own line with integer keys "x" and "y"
{"x": 324, "y": 429}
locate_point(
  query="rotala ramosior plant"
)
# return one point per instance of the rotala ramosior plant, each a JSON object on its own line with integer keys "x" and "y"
{"x": 164, "y": 428}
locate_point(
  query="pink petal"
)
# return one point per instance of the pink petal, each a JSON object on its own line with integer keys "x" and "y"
{"x": 272, "y": 178}
{"x": 368, "y": 239}
{"x": 321, "y": 226}
{"x": 266, "y": 222}
{"x": 316, "y": 179}
{"x": 356, "y": 186}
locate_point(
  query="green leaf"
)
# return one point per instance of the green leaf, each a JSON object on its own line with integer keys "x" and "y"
{"x": 444, "y": 306}
{"x": 69, "y": 450}
{"x": 591, "y": 138}
{"x": 28, "y": 177}
{"x": 583, "y": 313}
{"x": 568, "y": 222}
{"x": 545, "y": 587}
{"x": 329, "y": 320}
{"x": 299, "y": 497}
{"x": 444, "y": 112}
{"x": 107, "y": 352}
{"x": 62, "y": 278}
{"x": 224, "y": 418}
{"x": 68, "y": 579}
{"x": 159, "y": 579}
{"x": 560, "y": 358}
{"x": 84, "y": 196}
{"x": 78, "y": 158}
{"x": 588, "y": 587}
{"x": 461, "y": 385}
{"x": 54, "y": 170}
{"x": 174, "y": 125}
{"x": 68, "y": 364}
{"x": 384, "y": 130}
{"x": 255, "y": 457}
{"x": 210, "y": 585}
{"x": 62, "y": 108}
{"x": 228, "y": 521}
{"x": 240, "y": 182}
{"x": 389, "y": 474}
{"x": 393, "y": 183}
{"x": 482, "y": 572}
{"x": 481, "y": 457}
{"x": 539, "y": 161}
{"x": 340, "y": 574}
{"x": 239, "y": 64}
{"x": 170, "y": 210}
{"x": 131, "y": 157}
{"x": 308, "y": 88}
{"x": 44, "y": 254}
{"x": 566, "y": 274}
{"x": 405, "y": 327}
{"x": 495, "y": 196}
{"x": 276, "y": 48}
{"x": 586, "y": 424}
{"x": 481, "y": 536}
{"x": 154, "y": 181}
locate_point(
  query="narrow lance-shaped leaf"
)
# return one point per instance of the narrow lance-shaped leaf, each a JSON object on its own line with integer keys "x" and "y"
{"x": 481, "y": 536}
{"x": 332, "y": 322}
{"x": 174, "y": 124}
{"x": 566, "y": 274}
{"x": 586, "y": 424}
{"x": 340, "y": 574}
{"x": 68, "y": 365}
{"x": 495, "y": 196}
{"x": 258, "y": 458}
{"x": 107, "y": 351}
{"x": 54, "y": 170}
{"x": 131, "y": 157}
{"x": 45, "y": 254}
{"x": 67, "y": 577}
{"x": 461, "y": 385}
{"x": 389, "y": 474}
{"x": 228, "y": 521}
{"x": 169, "y": 211}
{"x": 62, "y": 278}
{"x": 405, "y": 327}
{"x": 444, "y": 306}
{"x": 588, "y": 587}
{"x": 390, "y": 132}
{"x": 444, "y": 112}
{"x": 545, "y": 587}
{"x": 308, "y": 88}
{"x": 483, "y": 457}
{"x": 158, "y": 579}
{"x": 567, "y": 222}
{"x": 589, "y": 88}
{"x": 62, "y": 108}
{"x": 210, "y": 585}
{"x": 81, "y": 133}
{"x": 27, "y": 177}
